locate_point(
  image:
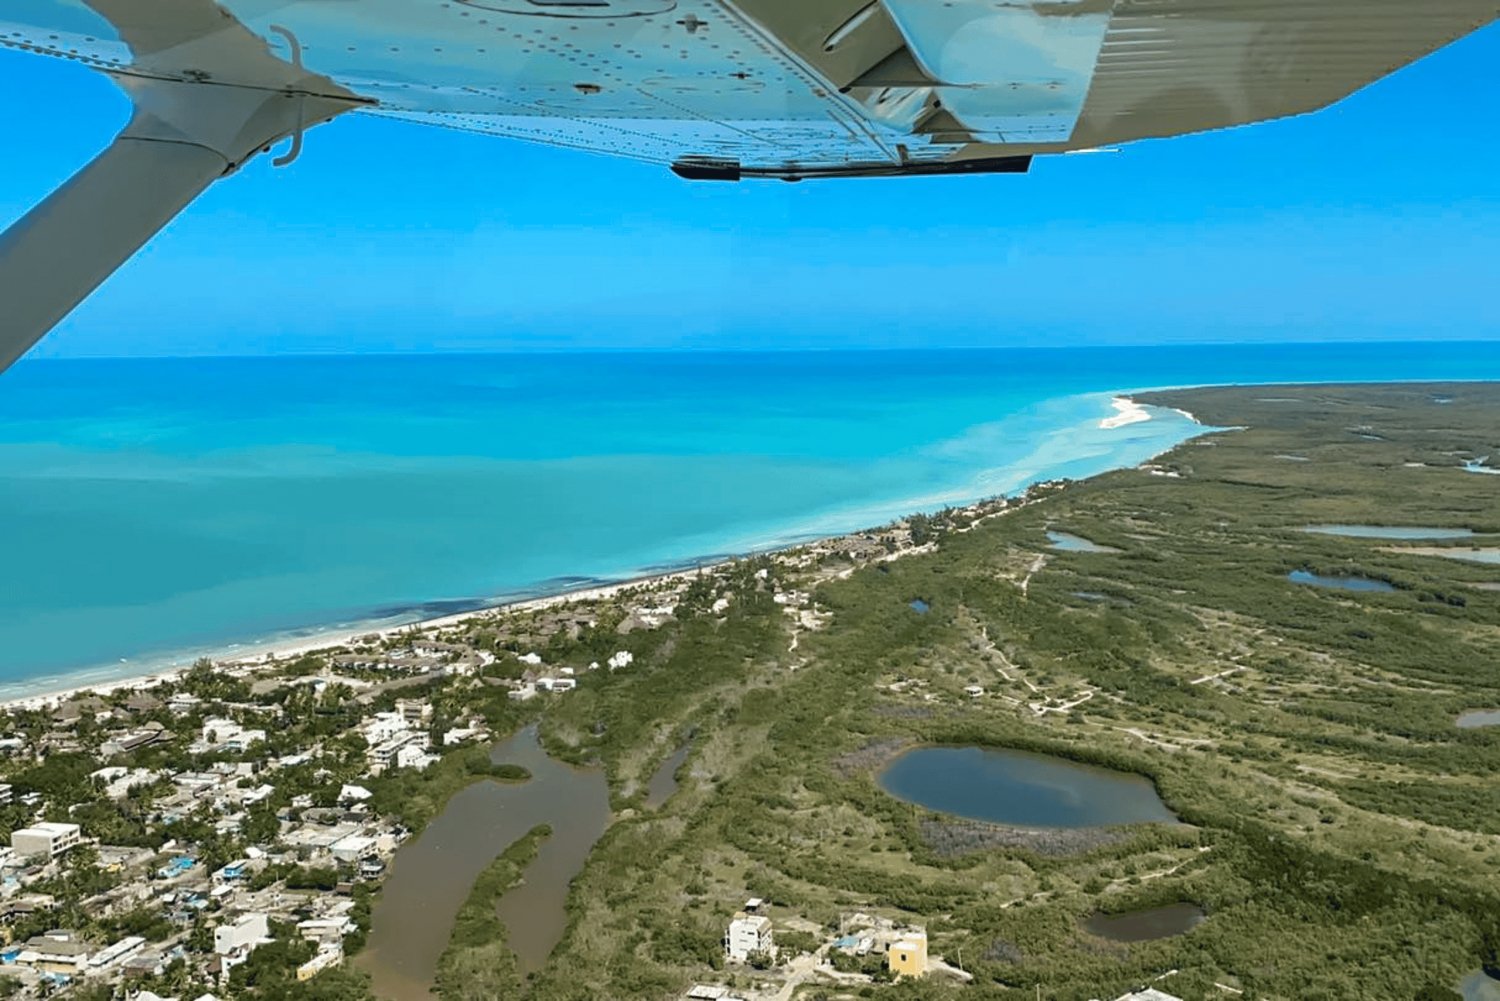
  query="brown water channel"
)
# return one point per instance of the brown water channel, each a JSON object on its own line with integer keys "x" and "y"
{"x": 432, "y": 874}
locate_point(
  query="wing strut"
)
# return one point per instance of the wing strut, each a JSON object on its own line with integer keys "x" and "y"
{"x": 64, "y": 248}
{"x": 182, "y": 137}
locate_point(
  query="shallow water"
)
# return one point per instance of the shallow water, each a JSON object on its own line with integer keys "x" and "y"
{"x": 1486, "y": 556}
{"x": 1479, "y": 986}
{"x": 1020, "y": 788}
{"x": 431, "y": 876}
{"x": 1146, "y": 925}
{"x": 1362, "y": 584}
{"x": 155, "y": 509}
{"x": 663, "y": 783}
{"x": 1479, "y": 718}
{"x": 171, "y": 507}
{"x": 1066, "y": 543}
{"x": 1388, "y": 532}
{"x": 919, "y": 606}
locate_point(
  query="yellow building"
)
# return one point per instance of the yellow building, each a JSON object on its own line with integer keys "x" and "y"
{"x": 327, "y": 958}
{"x": 907, "y": 956}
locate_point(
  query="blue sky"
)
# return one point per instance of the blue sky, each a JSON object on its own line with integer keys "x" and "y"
{"x": 1377, "y": 219}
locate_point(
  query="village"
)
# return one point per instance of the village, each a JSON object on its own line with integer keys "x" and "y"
{"x": 183, "y": 836}
{"x": 198, "y": 817}
{"x": 164, "y": 831}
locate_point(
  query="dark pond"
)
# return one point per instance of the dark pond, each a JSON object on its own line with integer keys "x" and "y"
{"x": 919, "y": 606}
{"x": 663, "y": 783}
{"x": 1478, "y": 718}
{"x": 1146, "y": 925}
{"x": 1066, "y": 543}
{"x": 1364, "y": 584}
{"x": 432, "y": 874}
{"x": 1020, "y": 788}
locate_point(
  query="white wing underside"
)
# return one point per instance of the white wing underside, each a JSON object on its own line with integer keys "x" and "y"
{"x": 807, "y": 85}
{"x": 714, "y": 88}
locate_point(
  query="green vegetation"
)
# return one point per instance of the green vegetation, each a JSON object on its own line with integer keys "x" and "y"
{"x": 415, "y": 797}
{"x": 476, "y": 965}
{"x": 1339, "y": 827}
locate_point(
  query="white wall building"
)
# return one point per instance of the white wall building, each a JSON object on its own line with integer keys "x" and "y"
{"x": 414, "y": 755}
{"x": 384, "y": 727}
{"x": 748, "y": 933}
{"x": 226, "y": 733}
{"x": 244, "y": 934}
{"x": 46, "y": 838}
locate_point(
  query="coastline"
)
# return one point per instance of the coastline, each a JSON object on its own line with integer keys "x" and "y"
{"x": 246, "y": 657}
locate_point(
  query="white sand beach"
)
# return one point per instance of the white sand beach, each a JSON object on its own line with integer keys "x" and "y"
{"x": 247, "y": 658}
{"x": 1127, "y": 411}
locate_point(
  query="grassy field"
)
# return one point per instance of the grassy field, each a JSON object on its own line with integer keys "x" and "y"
{"x": 1339, "y": 829}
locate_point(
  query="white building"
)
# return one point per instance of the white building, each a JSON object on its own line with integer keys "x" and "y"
{"x": 229, "y": 735}
{"x": 46, "y": 838}
{"x": 120, "y": 782}
{"x": 621, "y": 658}
{"x": 414, "y": 711}
{"x": 459, "y": 734}
{"x": 121, "y": 952}
{"x": 414, "y": 755}
{"x": 352, "y": 848}
{"x": 353, "y": 794}
{"x": 242, "y": 935}
{"x": 383, "y": 755}
{"x": 748, "y": 933}
{"x": 384, "y": 727}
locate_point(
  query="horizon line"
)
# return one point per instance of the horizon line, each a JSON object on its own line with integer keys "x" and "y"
{"x": 740, "y": 350}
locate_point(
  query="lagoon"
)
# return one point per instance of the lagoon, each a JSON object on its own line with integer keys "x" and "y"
{"x": 1388, "y": 532}
{"x": 1064, "y": 542}
{"x": 1479, "y": 718}
{"x": 1350, "y": 583}
{"x": 1486, "y": 556}
{"x": 1022, "y": 789}
{"x": 431, "y": 876}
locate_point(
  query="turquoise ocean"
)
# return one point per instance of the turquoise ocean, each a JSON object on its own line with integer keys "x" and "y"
{"x": 153, "y": 509}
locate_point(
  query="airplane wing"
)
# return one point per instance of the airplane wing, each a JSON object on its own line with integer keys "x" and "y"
{"x": 714, "y": 89}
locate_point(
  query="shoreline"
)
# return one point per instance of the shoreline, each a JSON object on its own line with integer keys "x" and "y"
{"x": 246, "y": 658}
{"x": 249, "y": 656}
